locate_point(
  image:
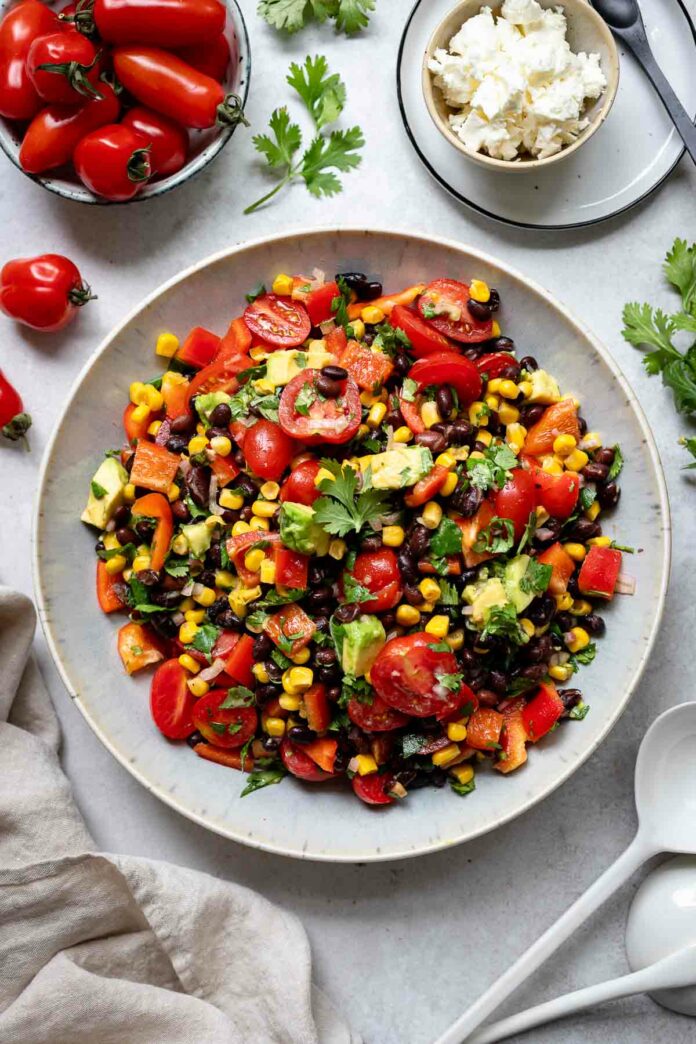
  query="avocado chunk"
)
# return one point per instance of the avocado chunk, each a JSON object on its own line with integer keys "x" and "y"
{"x": 362, "y": 641}
{"x": 106, "y": 493}
{"x": 205, "y": 404}
{"x": 515, "y": 572}
{"x": 198, "y": 538}
{"x": 398, "y": 468}
{"x": 299, "y": 532}
{"x": 282, "y": 366}
{"x": 545, "y": 388}
{"x": 483, "y": 596}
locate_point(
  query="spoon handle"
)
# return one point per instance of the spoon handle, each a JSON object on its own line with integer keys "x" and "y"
{"x": 627, "y": 863}
{"x": 638, "y": 43}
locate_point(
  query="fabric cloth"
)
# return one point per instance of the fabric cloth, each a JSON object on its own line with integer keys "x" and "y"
{"x": 103, "y": 948}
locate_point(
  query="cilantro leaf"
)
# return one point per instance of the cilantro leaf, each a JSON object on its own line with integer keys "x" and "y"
{"x": 353, "y": 15}
{"x": 350, "y": 16}
{"x": 409, "y": 389}
{"x": 463, "y": 788}
{"x": 238, "y": 696}
{"x": 324, "y": 155}
{"x": 355, "y": 689}
{"x": 617, "y": 464}
{"x": 354, "y": 591}
{"x": 267, "y": 771}
{"x": 324, "y": 94}
{"x": 529, "y": 531}
{"x": 97, "y": 491}
{"x": 411, "y": 744}
{"x": 206, "y": 637}
{"x": 448, "y": 593}
{"x": 585, "y": 656}
{"x": 393, "y": 341}
{"x": 256, "y": 291}
{"x": 341, "y": 509}
{"x": 453, "y": 682}
{"x": 536, "y": 578}
{"x": 579, "y": 711}
{"x": 680, "y": 270}
{"x": 502, "y": 622}
{"x": 497, "y": 537}
{"x": 691, "y": 447}
{"x": 177, "y": 567}
{"x": 280, "y": 150}
{"x": 256, "y": 620}
{"x": 494, "y": 469}
{"x": 447, "y": 539}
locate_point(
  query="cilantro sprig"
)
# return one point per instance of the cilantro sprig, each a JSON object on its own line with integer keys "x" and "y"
{"x": 342, "y": 509}
{"x": 349, "y": 16}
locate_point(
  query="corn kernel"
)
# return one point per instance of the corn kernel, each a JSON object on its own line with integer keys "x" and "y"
{"x": 231, "y": 501}
{"x": 492, "y": 401}
{"x": 253, "y": 560}
{"x": 365, "y": 765}
{"x": 438, "y": 626}
{"x": 599, "y": 541}
{"x": 445, "y": 460}
{"x": 213, "y": 521}
{"x": 526, "y": 388}
{"x": 443, "y": 757}
{"x": 564, "y": 444}
{"x": 116, "y": 564}
{"x": 476, "y": 455}
{"x": 200, "y": 428}
{"x": 450, "y": 485}
{"x": 455, "y": 640}
{"x": 154, "y": 427}
{"x": 485, "y": 437}
{"x": 259, "y": 523}
{"x": 206, "y": 597}
{"x": 462, "y": 773}
{"x": 508, "y": 414}
{"x": 593, "y": 511}
{"x": 127, "y": 574}
{"x": 302, "y": 656}
{"x": 358, "y": 328}
{"x": 403, "y": 434}
{"x": 527, "y": 626}
{"x": 260, "y": 673}
{"x": 180, "y": 544}
{"x": 270, "y": 490}
{"x": 197, "y": 687}
{"x": 153, "y": 398}
{"x": 129, "y": 492}
{"x": 140, "y": 562}
{"x": 581, "y": 608}
{"x": 240, "y": 527}
{"x": 432, "y": 515}
{"x": 576, "y": 460}
{"x": 173, "y": 493}
{"x": 296, "y": 680}
{"x": 189, "y": 664}
{"x": 373, "y": 315}
{"x": 337, "y": 549}
{"x": 508, "y": 389}
{"x": 551, "y": 466}
{"x": 267, "y": 571}
{"x": 136, "y": 392}
{"x": 197, "y": 444}
{"x": 274, "y": 726}
{"x": 167, "y": 345}
{"x": 456, "y": 731}
{"x": 222, "y": 445}
{"x": 393, "y": 536}
{"x": 495, "y": 328}
{"x": 258, "y": 353}
{"x": 283, "y": 285}
{"x": 479, "y": 291}
{"x": 185, "y": 605}
{"x": 592, "y": 440}
{"x": 376, "y": 415}
{"x": 564, "y": 602}
{"x": 561, "y": 672}
{"x": 290, "y": 703}
{"x": 111, "y": 541}
{"x": 478, "y": 414}
{"x": 196, "y": 616}
{"x": 576, "y": 551}
{"x": 407, "y": 616}
{"x": 264, "y": 508}
{"x": 187, "y": 632}
{"x": 140, "y": 413}
{"x": 515, "y": 434}
{"x": 430, "y": 589}
{"x": 430, "y": 414}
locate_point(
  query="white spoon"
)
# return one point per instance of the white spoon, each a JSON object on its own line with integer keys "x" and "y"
{"x": 665, "y": 791}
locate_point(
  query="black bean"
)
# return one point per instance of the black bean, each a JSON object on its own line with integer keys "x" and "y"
{"x": 246, "y": 514}
{"x": 582, "y": 425}
{"x": 480, "y": 446}
{"x": 488, "y": 697}
{"x": 246, "y": 486}
{"x": 534, "y": 672}
{"x": 498, "y": 681}
{"x": 594, "y": 624}
{"x": 529, "y": 415}
{"x": 195, "y": 566}
{"x": 541, "y": 611}
{"x": 604, "y": 456}
{"x": 595, "y": 472}
{"x": 565, "y": 621}
{"x": 301, "y": 734}
{"x": 529, "y": 363}
{"x": 239, "y": 458}
{"x": 499, "y": 344}
{"x": 214, "y": 433}
{"x": 366, "y": 289}
{"x": 573, "y": 588}
{"x": 407, "y": 565}
{"x": 228, "y": 619}
{"x": 274, "y": 672}
{"x": 325, "y": 657}
{"x": 184, "y": 424}
{"x": 263, "y": 647}
{"x": 538, "y": 650}
{"x": 328, "y": 388}
{"x": 402, "y": 364}
{"x": 445, "y": 401}
{"x": 549, "y": 532}
{"x": 221, "y": 416}
{"x": 271, "y": 743}
{"x": 322, "y": 596}
{"x": 372, "y": 290}
{"x": 163, "y": 624}
{"x": 198, "y": 483}
{"x": 321, "y": 623}
{"x": 582, "y": 529}
{"x": 144, "y": 530}
{"x": 167, "y": 599}
{"x": 432, "y": 440}
{"x": 388, "y": 620}
{"x": 570, "y": 697}
{"x": 214, "y": 556}
{"x": 334, "y": 373}
{"x": 177, "y": 443}
{"x": 478, "y": 310}
{"x": 122, "y": 515}
{"x": 207, "y": 578}
{"x": 608, "y": 495}
{"x": 462, "y": 433}
{"x": 315, "y": 574}
{"x": 180, "y": 512}
{"x": 229, "y": 517}
{"x": 328, "y": 675}
{"x": 194, "y": 739}
{"x": 467, "y": 501}
{"x": 467, "y": 577}
{"x": 125, "y": 535}
{"x": 149, "y": 577}
{"x": 412, "y": 594}
{"x": 419, "y": 540}
{"x": 371, "y": 543}
{"x": 347, "y": 613}
{"x": 333, "y": 693}
{"x": 494, "y": 300}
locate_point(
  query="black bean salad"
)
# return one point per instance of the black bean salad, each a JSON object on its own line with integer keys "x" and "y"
{"x": 357, "y": 538}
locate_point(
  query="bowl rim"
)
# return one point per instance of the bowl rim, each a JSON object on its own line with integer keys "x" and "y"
{"x": 665, "y": 518}
{"x": 524, "y": 166}
{"x": 80, "y": 194}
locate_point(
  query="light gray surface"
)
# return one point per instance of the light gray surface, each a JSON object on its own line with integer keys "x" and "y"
{"x": 401, "y": 947}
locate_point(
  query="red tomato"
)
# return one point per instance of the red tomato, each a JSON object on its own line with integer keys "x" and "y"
{"x": 224, "y": 645}
{"x": 290, "y": 623}
{"x": 229, "y": 727}
{"x": 448, "y": 368}
{"x": 171, "y": 703}
{"x": 407, "y": 672}
{"x": 471, "y": 527}
{"x": 374, "y": 789}
{"x": 165, "y": 83}
{"x": 221, "y": 375}
{"x": 165, "y": 23}
{"x": 14, "y": 422}
{"x": 200, "y": 347}
{"x": 562, "y": 568}
{"x": 318, "y": 713}
{"x": 18, "y": 30}
{"x": 64, "y": 67}
{"x": 427, "y": 487}
{"x": 240, "y": 661}
{"x": 42, "y": 292}
{"x": 300, "y": 764}
{"x": 318, "y": 303}
{"x": 326, "y": 420}
{"x": 211, "y": 58}
{"x": 278, "y": 320}
{"x": 291, "y": 569}
{"x": 113, "y": 162}
{"x": 299, "y": 488}
{"x": 495, "y": 364}
{"x": 599, "y": 572}
{"x": 424, "y": 339}
{"x": 52, "y": 137}
{"x": 516, "y": 500}
{"x": 377, "y": 716}
{"x": 542, "y": 712}
{"x": 557, "y": 493}
{"x": 369, "y": 369}
{"x": 167, "y": 140}
{"x": 267, "y": 449}
{"x": 411, "y": 414}
{"x": 448, "y": 299}
{"x": 378, "y": 571}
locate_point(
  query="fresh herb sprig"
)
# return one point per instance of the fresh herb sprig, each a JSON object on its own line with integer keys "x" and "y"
{"x": 342, "y": 509}
{"x": 349, "y": 16}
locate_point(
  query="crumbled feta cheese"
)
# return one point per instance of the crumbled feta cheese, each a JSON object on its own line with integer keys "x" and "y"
{"x": 515, "y": 81}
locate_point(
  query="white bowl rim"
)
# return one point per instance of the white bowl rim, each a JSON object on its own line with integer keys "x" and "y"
{"x": 370, "y": 855}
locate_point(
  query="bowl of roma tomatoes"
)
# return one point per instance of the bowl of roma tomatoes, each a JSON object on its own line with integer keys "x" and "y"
{"x": 113, "y": 101}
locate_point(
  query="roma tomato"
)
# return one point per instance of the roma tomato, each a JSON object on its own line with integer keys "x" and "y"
{"x": 53, "y": 135}
{"x": 562, "y": 568}
{"x": 291, "y": 569}
{"x": 319, "y": 419}
{"x": 444, "y": 304}
{"x": 600, "y": 572}
{"x": 407, "y": 675}
{"x": 378, "y": 571}
{"x": 448, "y": 368}
{"x": 425, "y": 340}
{"x": 211, "y": 58}
{"x": 374, "y": 789}
{"x": 165, "y": 83}
{"x": 377, "y": 716}
{"x": 167, "y": 140}
{"x": 516, "y": 500}
{"x": 164, "y": 23}
{"x": 171, "y": 703}
{"x": 14, "y": 422}
{"x": 299, "y": 488}
{"x": 23, "y": 24}
{"x": 113, "y": 162}
{"x": 64, "y": 67}
{"x": 227, "y": 727}
{"x": 300, "y": 764}
{"x": 267, "y": 449}
{"x": 42, "y": 292}
{"x": 278, "y": 320}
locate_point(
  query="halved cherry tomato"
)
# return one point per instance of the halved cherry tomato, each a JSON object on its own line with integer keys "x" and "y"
{"x": 411, "y": 413}
{"x": 407, "y": 673}
{"x": 64, "y": 67}
{"x": 113, "y": 162}
{"x": 562, "y": 567}
{"x": 516, "y": 500}
{"x": 154, "y": 467}
{"x": 224, "y": 645}
{"x": 299, "y": 487}
{"x": 369, "y": 368}
{"x": 483, "y": 729}
{"x": 291, "y": 569}
{"x": 427, "y": 487}
{"x": 318, "y": 302}
{"x": 227, "y": 727}
{"x": 377, "y": 716}
{"x": 171, "y": 703}
{"x": 134, "y": 429}
{"x": 211, "y": 58}
{"x": 42, "y": 292}
{"x": 267, "y": 449}
{"x": 451, "y": 369}
{"x": 237, "y": 340}
{"x": 290, "y": 628}
{"x": 444, "y": 304}
{"x": 513, "y": 739}
{"x": 559, "y": 419}
{"x": 109, "y": 601}
{"x": 154, "y": 505}
{"x": 22, "y": 24}
{"x": 542, "y": 712}
{"x": 237, "y": 547}
{"x": 471, "y": 527}
{"x": 378, "y": 571}
{"x": 168, "y": 141}
{"x": 495, "y": 364}
{"x": 424, "y": 339}
{"x": 374, "y": 789}
{"x": 165, "y": 23}
{"x": 240, "y": 661}
{"x": 53, "y": 135}
{"x": 318, "y": 714}
{"x": 599, "y": 572}
{"x": 558, "y": 494}
{"x": 199, "y": 349}
{"x": 299, "y": 764}
{"x": 221, "y": 375}
{"x": 326, "y": 420}
{"x": 278, "y": 320}
{"x": 388, "y": 302}
{"x": 138, "y": 647}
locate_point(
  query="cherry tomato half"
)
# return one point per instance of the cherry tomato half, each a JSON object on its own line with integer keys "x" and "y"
{"x": 299, "y": 488}
{"x": 499, "y": 364}
{"x": 378, "y": 571}
{"x": 267, "y": 449}
{"x": 171, "y": 703}
{"x": 451, "y": 369}
{"x": 407, "y": 675}
{"x": 113, "y": 162}
{"x": 53, "y": 135}
{"x": 228, "y": 727}
{"x": 23, "y": 24}
{"x": 42, "y": 292}
{"x": 301, "y": 765}
{"x": 377, "y": 716}
{"x": 444, "y": 304}
{"x": 318, "y": 302}
{"x": 168, "y": 141}
{"x": 278, "y": 320}
{"x": 516, "y": 500}
{"x": 325, "y": 420}
{"x": 425, "y": 340}
{"x": 163, "y": 23}
{"x": 64, "y": 67}
{"x": 374, "y": 789}
{"x": 557, "y": 493}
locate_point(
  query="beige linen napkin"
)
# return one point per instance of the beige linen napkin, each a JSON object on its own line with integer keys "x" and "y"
{"x": 103, "y": 948}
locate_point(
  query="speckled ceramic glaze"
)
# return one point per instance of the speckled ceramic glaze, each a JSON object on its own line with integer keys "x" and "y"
{"x": 327, "y": 822}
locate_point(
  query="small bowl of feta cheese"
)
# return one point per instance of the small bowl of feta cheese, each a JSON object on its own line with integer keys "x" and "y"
{"x": 520, "y": 84}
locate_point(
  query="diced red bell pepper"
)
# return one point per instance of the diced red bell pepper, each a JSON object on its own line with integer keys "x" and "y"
{"x": 229, "y": 758}
{"x": 483, "y": 729}
{"x": 199, "y": 349}
{"x": 322, "y": 752}
{"x": 411, "y": 414}
{"x": 134, "y": 429}
{"x": 291, "y": 569}
{"x": 224, "y": 469}
{"x": 224, "y": 646}
{"x": 154, "y": 505}
{"x": 175, "y": 393}
{"x": 109, "y": 602}
{"x": 138, "y": 647}
{"x": 424, "y": 490}
{"x": 290, "y": 627}
{"x": 562, "y": 566}
{"x": 559, "y": 419}
{"x": 237, "y": 547}
{"x": 318, "y": 710}
{"x": 154, "y": 467}
{"x": 388, "y": 302}
{"x": 369, "y": 368}
{"x": 454, "y": 566}
{"x": 513, "y": 739}
{"x": 237, "y": 340}
{"x": 599, "y": 572}
{"x": 318, "y": 302}
{"x": 240, "y": 661}
{"x": 542, "y": 712}
{"x": 471, "y": 527}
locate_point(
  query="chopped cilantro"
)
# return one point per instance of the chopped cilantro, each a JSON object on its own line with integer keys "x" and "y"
{"x": 341, "y": 509}
{"x": 255, "y": 292}
{"x": 353, "y": 591}
{"x": 267, "y": 771}
{"x": 206, "y": 637}
{"x": 411, "y": 744}
{"x": 97, "y": 491}
{"x": 623, "y": 547}
{"x": 305, "y": 398}
{"x": 453, "y": 682}
{"x": 536, "y": 578}
{"x": 355, "y": 689}
{"x": 586, "y": 498}
{"x": 392, "y": 340}
{"x": 529, "y": 531}
{"x": 463, "y": 788}
{"x": 281, "y": 660}
{"x": 440, "y": 646}
{"x": 585, "y": 656}
{"x": 579, "y": 711}
{"x": 494, "y": 469}
{"x": 238, "y": 696}
{"x": 448, "y": 593}
{"x": 447, "y": 539}
{"x": 617, "y": 465}
{"x": 409, "y": 389}
{"x": 502, "y": 622}
{"x": 256, "y": 620}
{"x": 497, "y": 537}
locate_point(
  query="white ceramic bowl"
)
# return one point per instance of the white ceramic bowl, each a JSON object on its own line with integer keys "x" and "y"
{"x": 205, "y": 145}
{"x": 327, "y": 822}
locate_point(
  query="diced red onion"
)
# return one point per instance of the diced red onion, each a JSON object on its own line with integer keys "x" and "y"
{"x": 178, "y": 618}
{"x": 188, "y": 590}
{"x": 185, "y": 466}
{"x": 110, "y": 526}
{"x": 327, "y": 326}
{"x": 625, "y": 584}
{"x": 213, "y": 506}
{"x": 216, "y": 667}
{"x": 318, "y": 278}
{"x": 544, "y": 534}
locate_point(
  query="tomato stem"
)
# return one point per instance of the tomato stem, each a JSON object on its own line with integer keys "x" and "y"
{"x": 83, "y": 18}
{"x": 76, "y": 75}
{"x": 80, "y": 295}
{"x": 17, "y": 427}
{"x": 230, "y": 112}
{"x": 139, "y": 167}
